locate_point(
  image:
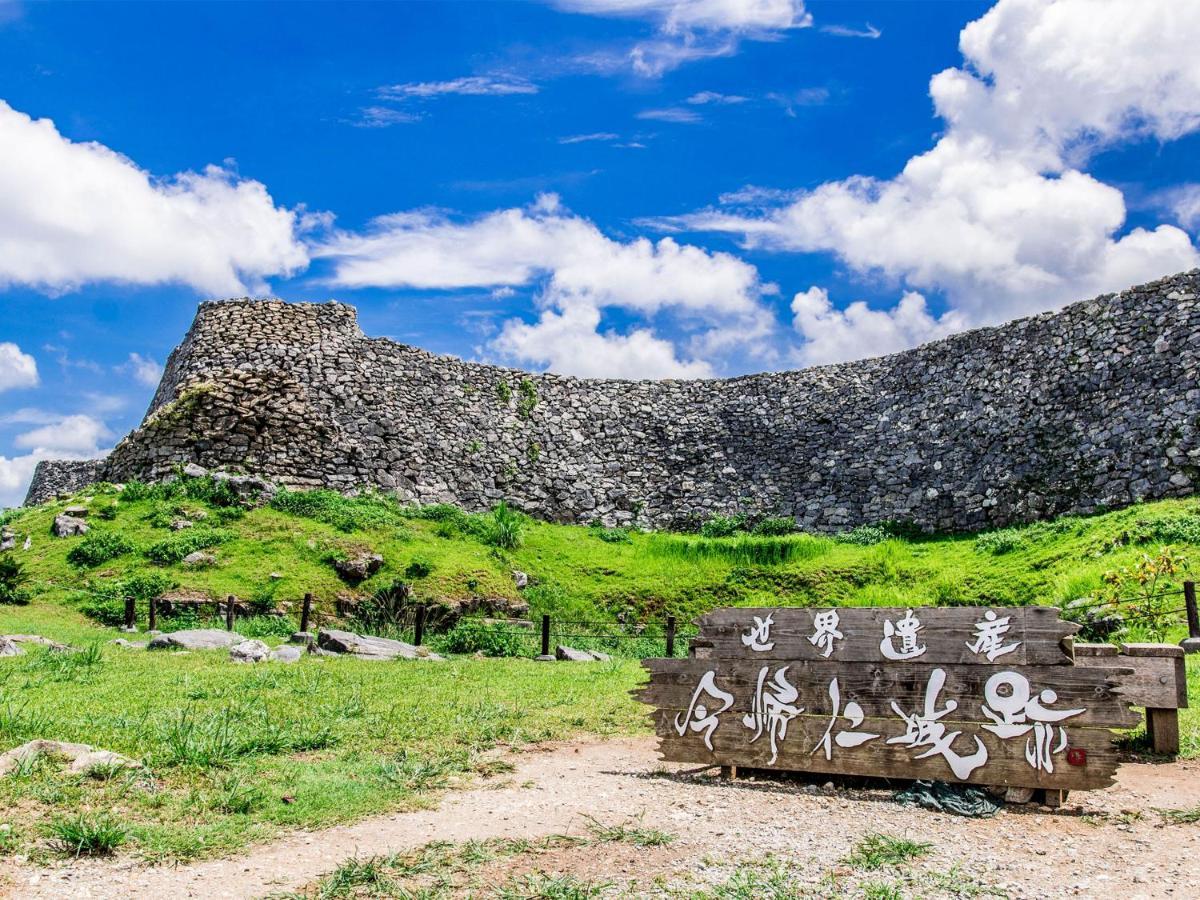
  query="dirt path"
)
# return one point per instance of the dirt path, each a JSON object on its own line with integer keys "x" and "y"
{"x": 1115, "y": 846}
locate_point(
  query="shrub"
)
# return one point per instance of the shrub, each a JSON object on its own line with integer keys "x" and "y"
{"x": 106, "y": 601}
{"x": 13, "y": 579}
{"x": 611, "y": 535}
{"x": 775, "y": 526}
{"x": 99, "y": 547}
{"x": 107, "y": 511}
{"x": 387, "y": 610}
{"x": 1182, "y": 530}
{"x": 174, "y": 548}
{"x": 343, "y": 513}
{"x": 470, "y": 636}
{"x": 865, "y": 535}
{"x": 420, "y": 567}
{"x": 718, "y": 525}
{"x": 504, "y": 528}
{"x": 997, "y": 543}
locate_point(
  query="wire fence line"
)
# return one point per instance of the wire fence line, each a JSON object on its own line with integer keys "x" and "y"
{"x": 415, "y": 623}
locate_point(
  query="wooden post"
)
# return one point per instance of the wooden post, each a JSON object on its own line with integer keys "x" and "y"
{"x": 305, "y": 612}
{"x": 545, "y": 635}
{"x": 1162, "y": 728}
{"x": 130, "y": 614}
{"x": 419, "y": 626}
{"x": 152, "y": 618}
{"x": 670, "y": 636}
{"x": 230, "y": 602}
{"x": 1193, "y": 616}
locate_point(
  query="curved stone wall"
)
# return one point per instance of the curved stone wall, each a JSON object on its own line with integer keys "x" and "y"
{"x": 1090, "y": 407}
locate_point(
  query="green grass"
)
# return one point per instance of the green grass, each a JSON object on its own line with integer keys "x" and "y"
{"x": 875, "y": 851}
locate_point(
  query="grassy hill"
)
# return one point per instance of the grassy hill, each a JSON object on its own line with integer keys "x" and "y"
{"x": 235, "y": 754}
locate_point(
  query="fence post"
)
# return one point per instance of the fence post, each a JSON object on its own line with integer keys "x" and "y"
{"x": 1193, "y": 616}
{"x": 130, "y": 614}
{"x": 670, "y": 637}
{"x": 419, "y": 626}
{"x": 229, "y": 612}
{"x": 305, "y": 612}
{"x": 152, "y": 618}
{"x": 546, "y": 634}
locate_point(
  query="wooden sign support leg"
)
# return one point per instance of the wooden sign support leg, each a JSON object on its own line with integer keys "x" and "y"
{"x": 1162, "y": 727}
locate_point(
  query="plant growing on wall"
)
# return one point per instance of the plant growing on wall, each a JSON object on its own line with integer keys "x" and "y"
{"x": 527, "y": 398}
{"x": 503, "y": 391}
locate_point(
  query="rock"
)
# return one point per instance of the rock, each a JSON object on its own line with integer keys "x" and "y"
{"x": 302, "y": 637}
{"x": 9, "y": 648}
{"x": 251, "y": 651}
{"x": 275, "y": 576}
{"x": 520, "y": 579}
{"x": 247, "y": 487}
{"x": 69, "y": 526}
{"x": 360, "y": 567}
{"x": 196, "y": 639}
{"x": 365, "y": 647}
{"x": 1190, "y": 645}
{"x": 76, "y": 512}
{"x": 28, "y": 542}
{"x": 199, "y": 560}
{"x": 8, "y": 543}
{"x": 84, "y": 759}
{"x": 130, "y": 645}
{"x": 570, "y": 654}
{"x": 286, "y": 654}
{"x": 181, "y": 524}
{"x": 192, "y": 470}
{"x": 1018, "y": 795}
{"x": 549, "y": 657}
{"x": 35, "y": 639}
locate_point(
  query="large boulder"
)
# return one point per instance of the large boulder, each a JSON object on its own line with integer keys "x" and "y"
{"x": 16, "y": 640}
{"x": 196, "y": 639}
{"x": 570, "y": 654}
{"x": 199, "y": 560}
{"x": 69, "y": 526}
{"x": 83, "y": 758}
{"x": 251, "y": 651}
{"x": 247, "y": 487}
{"x": 358, "y": 567}
{"x": 9, "y": 647}
{"x": 365, "y": 647}
{"x": 286, "y": 654}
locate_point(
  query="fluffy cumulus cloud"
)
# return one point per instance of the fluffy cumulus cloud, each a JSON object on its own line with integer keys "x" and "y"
{"x": 58, "y": 437}
{"x": 17, "y": 368}
{"x": 80, "y": 212}
{"x": 145, "y": 371}
{"x": 580, "y": 271}
{"x": 688, "y": 30}
{"x": 999, "y": 215}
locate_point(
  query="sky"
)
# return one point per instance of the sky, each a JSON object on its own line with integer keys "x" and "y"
{"x": 602, "y": 188}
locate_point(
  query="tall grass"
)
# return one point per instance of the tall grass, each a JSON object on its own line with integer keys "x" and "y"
{"x": 742, "y": 549}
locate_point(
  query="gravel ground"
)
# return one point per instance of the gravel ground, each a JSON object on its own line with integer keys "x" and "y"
{"x": 1110, "y": 843}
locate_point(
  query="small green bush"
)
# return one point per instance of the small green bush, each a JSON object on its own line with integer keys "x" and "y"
{"x": 105, "y": 602}
{"x": 420, "y": 567}
{"x": 174, "y": 548}
{"x": 611, "y": 535}
{"x": 470, "y": 636}
{"x": 343, "y": 513}
{"x": 505, "y": 527}
{"x": 86, "y": 834}
{"x": 718, "y": 525}
{"x": 13, "y": 579}
{"x": 107, "y": 511}
{"x": 997, "y": 543}
{"x": 775, "y": 526}
{"x": 865, "y": 535}
{"x": 99, "y": 547}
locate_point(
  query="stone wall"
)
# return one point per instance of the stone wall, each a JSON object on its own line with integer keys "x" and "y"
{"x": 1090, "y": 407}
{"x": 52, "y": 477}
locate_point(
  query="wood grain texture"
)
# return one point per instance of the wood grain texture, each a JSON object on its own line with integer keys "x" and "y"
{"x": 947, "y": 633}
{"x": 1153, "y": 682}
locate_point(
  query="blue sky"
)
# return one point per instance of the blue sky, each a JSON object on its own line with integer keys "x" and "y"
{"x": 625, "y": 188}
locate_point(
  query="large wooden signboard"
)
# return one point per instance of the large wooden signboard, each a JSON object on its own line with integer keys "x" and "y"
{"x": 968, "y": 694}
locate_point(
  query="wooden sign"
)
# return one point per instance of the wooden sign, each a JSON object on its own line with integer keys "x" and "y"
{"x": 969, "y": 694}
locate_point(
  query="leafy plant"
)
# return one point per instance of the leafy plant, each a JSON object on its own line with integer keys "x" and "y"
{"x": 105, "y": 602}
{"x": 472, "y": 636}
{"x": 99, "y": 547}
{"x": 503, "y": 391}
{"x": 13, "y": 579}
{"x": 610, "y": 535}
{"x": 1140, "y": 592}
{"x": 527, "y": 398}
{"x": 174, "y": 548}
{"x": 420, "y": 567}
{"x": 718, "y": 525}
{"x": 387, "y": 611}
{"x": 369, "y": 510}
{"x": 875, "y": 851}
{"x": 999, "y": 542}
{"x": 865, "y": 535}
{"x": 775, "y": 526}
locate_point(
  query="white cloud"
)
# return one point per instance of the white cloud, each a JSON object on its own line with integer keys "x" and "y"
{"x": 1184, "y": 203}
{"x": 67, "y": 437}
{"x": 997, "y": 215}
{"x": 79, "y": 212}
{"x": 676, "y": 114}
{"x": 834, "y": 335}
{"x": 472, "y": 86}
{"x": 17, "y": 368}
{"x": 384, "y": 116}
{"x": 584, "y": 138}
{"x": 704, "y": 97}
{"x": 580, "y": 272}
{"x": 689, "y": 30}
{"x": 870, "y": 31}
{"x": 143, "y": 369}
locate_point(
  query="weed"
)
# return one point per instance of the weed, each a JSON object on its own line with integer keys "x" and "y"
{"x": 420, "y": 567}
{"x": 1180, "y": 816}
{"x": 541, "y": 886}
{"x": 527, "y": 398}
{"x": 775, "y": 526}
{"x": 610, "y": 535}
{"x": 503, "y": 391}
{"x": 875, "y": 851}
{"x": 13, "y": 579}
{"x": 471, "y": 636}
{"x": 718, "y": 525}
{"x": 236, "y": 796}
{"x": 505, "y": 528}
{"x": 369, "y": 510}
{"x": 631, "y": 832}
{"x": 1004, "y": 540}
{"x": 86, "y": 834}
{"x": 368, "y": 873}
{"x": 865, "y": 535}
{"x": 878, "y": 890}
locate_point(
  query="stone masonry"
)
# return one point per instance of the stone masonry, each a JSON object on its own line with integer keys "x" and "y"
{"x": 1091, "y": 407}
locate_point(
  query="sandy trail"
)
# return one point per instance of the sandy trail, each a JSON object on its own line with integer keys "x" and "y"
{"x": 1026, "y": 852}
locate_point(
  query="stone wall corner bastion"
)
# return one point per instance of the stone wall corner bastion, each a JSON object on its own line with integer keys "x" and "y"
{"x": 1091, "y": 407}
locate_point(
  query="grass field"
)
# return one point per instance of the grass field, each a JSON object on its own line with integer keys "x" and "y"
{"x": 236, "y": 753}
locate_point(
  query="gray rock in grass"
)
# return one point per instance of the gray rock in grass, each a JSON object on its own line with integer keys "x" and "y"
{"x": 251, "y": 651}
{"x": 366, "y": 647}
{"x": 196, "y": 639}
{"x": 69, "y": 526}
{"x": 286, "y": 654}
